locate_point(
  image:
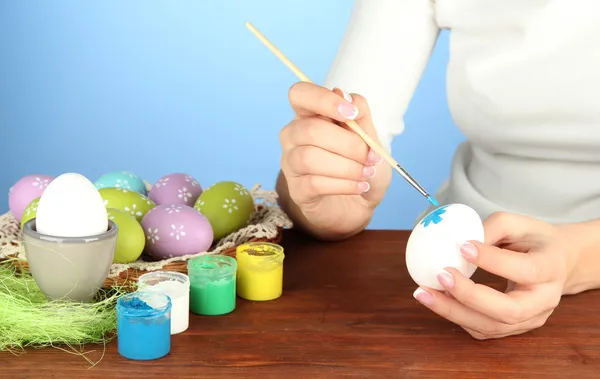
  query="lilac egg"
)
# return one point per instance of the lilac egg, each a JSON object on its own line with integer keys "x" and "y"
{"x": 25, "y": 191}
{"x": 175, "y": 189}
{"x": 175, "y": 230}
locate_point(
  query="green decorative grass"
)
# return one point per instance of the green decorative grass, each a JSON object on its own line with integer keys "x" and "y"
{"x": 29, "y": 320}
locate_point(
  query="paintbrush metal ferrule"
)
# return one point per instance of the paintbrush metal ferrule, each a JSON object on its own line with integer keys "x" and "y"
{"x": 402, "y": 171}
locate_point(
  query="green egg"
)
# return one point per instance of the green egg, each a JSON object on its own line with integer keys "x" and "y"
{"x": 131, "y": 239}
{"x": 228, "y": 206}
{"x": 134, "y": 203}
{"x": 30, "y": 212}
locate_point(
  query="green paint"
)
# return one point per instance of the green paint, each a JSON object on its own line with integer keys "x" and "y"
{"x": 212, "y": 284}
{"x": 213, "y": 298}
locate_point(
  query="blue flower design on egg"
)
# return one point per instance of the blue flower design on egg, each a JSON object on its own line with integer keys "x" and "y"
{"x": 434, "y": 217}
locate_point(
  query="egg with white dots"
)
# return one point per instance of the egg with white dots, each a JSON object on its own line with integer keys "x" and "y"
{"x": 434, "y": 244}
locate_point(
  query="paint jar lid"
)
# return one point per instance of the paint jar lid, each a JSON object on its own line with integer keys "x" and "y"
{"x": 142, "y": 304}
{"x": 265, "y": 255}
{"x": 212, "y": 267}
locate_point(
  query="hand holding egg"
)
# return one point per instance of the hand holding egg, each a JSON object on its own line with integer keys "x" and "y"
{"x": 434, "y": 243}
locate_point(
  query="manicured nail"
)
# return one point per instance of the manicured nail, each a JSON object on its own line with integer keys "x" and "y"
{"x": 469, "y": 251}
{"x": 364, "y": 187}
{"x": 373, "y": 157}
{"x": 446, "y": 279}
{"x": 346, "y": 95}
{"x": 369, "y": 172}
{"x": 348, "y": 111}
{"x": 423, "y": 296}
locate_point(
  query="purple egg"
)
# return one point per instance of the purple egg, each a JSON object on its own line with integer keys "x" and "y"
{"x": 175, "y": 230}
{"x": 175, "y": 188}
{"x": 26, "y": 190}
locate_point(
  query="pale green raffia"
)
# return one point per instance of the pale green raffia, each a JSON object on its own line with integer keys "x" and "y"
{"x": 28, "y": 319}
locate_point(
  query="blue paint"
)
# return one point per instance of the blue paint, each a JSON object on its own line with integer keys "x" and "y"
{"x": 433, "y": 201}
{"x": 434, "y": 216}
{"x": 144, "y": 325}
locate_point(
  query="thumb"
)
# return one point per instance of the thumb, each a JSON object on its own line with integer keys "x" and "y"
{"x": 364, "y": 112}
{"x": 363, "y": 119}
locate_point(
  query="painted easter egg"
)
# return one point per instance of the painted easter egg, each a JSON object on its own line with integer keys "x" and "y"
{"x": 176, "y": 230}
{"x": 434, "y": 243}
{"x": 175, "y": 188}
{"x": 130, "y": 239}
{"x": 71, "y": 207}
{"x": 126, "y": 200}
{"x": 30, "y": 212}
{"x": 22, "y": 193}
{"x": 227, "y": 205}
{"x": 122, "y": 179}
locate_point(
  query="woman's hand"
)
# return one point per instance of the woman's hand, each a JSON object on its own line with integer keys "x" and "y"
{"x": 330, "y": 181}
{"x": 531, "y": 254}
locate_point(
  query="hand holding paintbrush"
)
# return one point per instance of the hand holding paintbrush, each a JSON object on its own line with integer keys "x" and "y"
{"x": 350, "y": 123}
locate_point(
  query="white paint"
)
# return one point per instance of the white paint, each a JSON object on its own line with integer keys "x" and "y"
{"x": 179, "y": 292}
{"x": 432, "y": 248}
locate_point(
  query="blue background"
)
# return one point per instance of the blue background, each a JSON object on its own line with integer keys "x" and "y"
{"x": 182, "y": 86}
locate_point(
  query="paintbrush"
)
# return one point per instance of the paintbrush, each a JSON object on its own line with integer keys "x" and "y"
{"x": 351, "y": 124}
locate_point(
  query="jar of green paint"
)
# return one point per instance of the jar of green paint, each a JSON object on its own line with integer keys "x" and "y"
{"x": 212, "y": 284}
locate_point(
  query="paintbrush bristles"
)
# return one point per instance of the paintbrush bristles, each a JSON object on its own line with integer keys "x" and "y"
{"x": 351, "y": 124}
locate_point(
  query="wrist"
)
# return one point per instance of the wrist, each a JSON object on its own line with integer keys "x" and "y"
{"x": 582, "y": 246}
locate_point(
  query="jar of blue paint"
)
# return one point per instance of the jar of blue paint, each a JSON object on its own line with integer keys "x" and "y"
{"x": 144, "y": 325}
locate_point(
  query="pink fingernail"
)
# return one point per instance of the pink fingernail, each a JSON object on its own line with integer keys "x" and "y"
{"x": 364, "y": 187}
{"x": 423, "y": 296}
{"x": 446, "y": 279}
{"x": 469, "y": 251}
{"x": 373, "y": 157}
{"x": 346, "y": 95}
{"x": 369, "y": 172}
{"x": 348, "y": 111}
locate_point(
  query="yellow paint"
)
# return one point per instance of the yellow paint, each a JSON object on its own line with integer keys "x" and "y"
{"x": 260, "y": 271}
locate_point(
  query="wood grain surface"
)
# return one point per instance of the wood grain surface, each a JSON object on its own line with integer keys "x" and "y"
{"x": 347, "y": 312}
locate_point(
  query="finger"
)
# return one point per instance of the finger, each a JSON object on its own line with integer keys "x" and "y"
{"x": 309, "y": 99}
{"x": 311, "y": 160}
{"x": 505, "y": 227}
{"x": 328, "y": 136}
{"x": 306, "y": 189}
{"x": 458, "y": 313}
{"x": 502, "y": 307}
{"x": 523, "y": 268}
{"x": 525, "y": 327}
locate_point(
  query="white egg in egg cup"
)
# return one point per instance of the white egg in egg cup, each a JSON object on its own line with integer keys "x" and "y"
{"x": 434, "y": 243}
{"x": 69, "y": 268}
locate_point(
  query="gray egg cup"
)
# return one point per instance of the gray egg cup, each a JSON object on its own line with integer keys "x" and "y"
{"x": 69, "y": 268}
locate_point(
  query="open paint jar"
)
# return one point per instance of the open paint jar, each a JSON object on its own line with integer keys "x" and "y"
{"x": 177, "y": 287}
{"x": 212, "y": 284}
{"x": 144, "y": 325}
{"x": 260, "y": 271}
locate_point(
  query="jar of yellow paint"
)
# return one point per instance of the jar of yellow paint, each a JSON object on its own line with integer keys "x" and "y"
{"x": 260, "y": 271}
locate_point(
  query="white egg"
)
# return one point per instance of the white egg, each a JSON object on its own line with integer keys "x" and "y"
{"x": 434, "y": 243}
{"x": 71, "y": 206}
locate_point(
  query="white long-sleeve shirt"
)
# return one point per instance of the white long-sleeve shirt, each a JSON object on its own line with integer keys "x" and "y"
{"x": 523, "y": 86}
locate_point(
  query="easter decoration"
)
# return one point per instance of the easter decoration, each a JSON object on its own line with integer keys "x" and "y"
{"x": 434, "y": 243}
{"x": 122, "y": 179}
{"x": 51, "y": 292}
{"x": 70, "y": 244}
{"x": 100, "y": 256}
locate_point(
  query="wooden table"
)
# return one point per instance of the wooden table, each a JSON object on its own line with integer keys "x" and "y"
{"x": 347, "y": 311}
